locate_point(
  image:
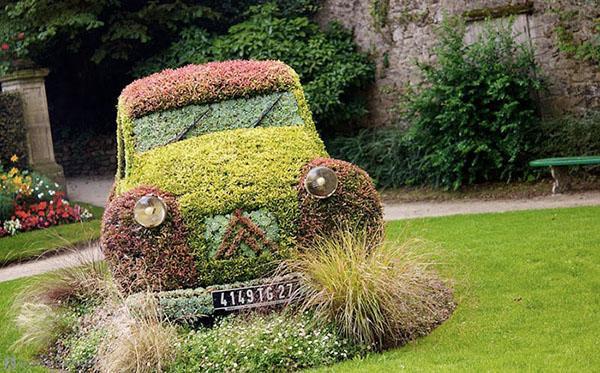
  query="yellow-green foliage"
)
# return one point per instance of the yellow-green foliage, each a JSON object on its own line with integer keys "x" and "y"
{"x": 219, "y": 172}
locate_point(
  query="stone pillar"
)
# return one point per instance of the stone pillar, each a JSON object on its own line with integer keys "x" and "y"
{"x": 30, "y": 85}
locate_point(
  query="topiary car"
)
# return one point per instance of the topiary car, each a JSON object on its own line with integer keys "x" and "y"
{"x": 220, "y": 174}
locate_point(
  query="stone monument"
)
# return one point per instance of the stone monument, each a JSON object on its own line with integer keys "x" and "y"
{"x": 30, "y": 85}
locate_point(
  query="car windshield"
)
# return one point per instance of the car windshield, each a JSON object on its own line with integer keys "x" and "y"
{"x": 162, "y": 128}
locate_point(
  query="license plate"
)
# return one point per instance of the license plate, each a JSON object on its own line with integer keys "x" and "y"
{"x": 254, "y": 296}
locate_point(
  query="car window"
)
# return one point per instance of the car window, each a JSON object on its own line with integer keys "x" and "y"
{"x": 162, "y": 128}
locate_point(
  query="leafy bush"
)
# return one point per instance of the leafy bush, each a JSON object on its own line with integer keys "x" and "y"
{"x": 389, "y": 155}
{"x": 259, "y": 343}
{"x": 380, "y": 294}
{"x": 147, "y": 258}
{"x": 570, "y": 135}
{"x": 12, "y": 130}
{"x": 328, "y": 64}
{"x": 474, "y": 116}
{"x": 355, "y": 203}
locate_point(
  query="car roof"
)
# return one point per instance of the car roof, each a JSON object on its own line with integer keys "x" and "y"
{"x": 210, "y": 82}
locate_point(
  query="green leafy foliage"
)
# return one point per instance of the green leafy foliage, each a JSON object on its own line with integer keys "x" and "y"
{"x": 83, "y": 350}
{"x": 96, "y": 25}
{"x": 12, "y": 130}
{"x": 159, "y": 128}
{"x": 571, "y": 135}
{"x": 584, "y": 47}
{"x": 259, "y": 343}
{"x": 329, "y": 66}
{"x": 472, "y": 119}
{"x": 474, "y": 115}
{"x": 388, "y": 154}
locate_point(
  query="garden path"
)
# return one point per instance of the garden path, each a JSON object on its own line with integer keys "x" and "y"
{"x": 95, "y": 191}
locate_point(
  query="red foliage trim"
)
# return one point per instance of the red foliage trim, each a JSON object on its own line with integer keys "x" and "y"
{"x": 142, "y": 258}
{"x": 209, "y": 82}
{"x": 355, "y": 203}
{"x": 246, "y": 231}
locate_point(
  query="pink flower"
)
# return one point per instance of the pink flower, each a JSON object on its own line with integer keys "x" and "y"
{"x": 5, "y": 46}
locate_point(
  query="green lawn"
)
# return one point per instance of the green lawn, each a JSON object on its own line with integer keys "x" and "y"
{"x": 34, "y": 243}
{"x": 11, "y": 361}
{"x": 528, "y": 287}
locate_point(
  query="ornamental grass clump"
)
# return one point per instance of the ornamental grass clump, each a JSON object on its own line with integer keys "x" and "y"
{"x": 380, "y": 294}
{"x": 138, "y": 343}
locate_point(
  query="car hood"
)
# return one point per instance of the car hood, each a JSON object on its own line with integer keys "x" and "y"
{"x": 223, "y": 171}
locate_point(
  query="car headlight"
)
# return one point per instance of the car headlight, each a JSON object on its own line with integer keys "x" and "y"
{"x": 321, "y": 182}
{"x": 150, "y": 211}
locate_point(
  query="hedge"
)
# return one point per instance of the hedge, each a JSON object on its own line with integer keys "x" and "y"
{"x": 12, "y": 130}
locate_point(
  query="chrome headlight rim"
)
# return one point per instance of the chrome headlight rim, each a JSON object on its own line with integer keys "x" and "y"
{"x": 150, "y": 211}
{"x": 321, "y": 177}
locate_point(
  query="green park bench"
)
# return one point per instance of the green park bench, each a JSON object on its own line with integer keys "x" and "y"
{"x": 559, "y": 169}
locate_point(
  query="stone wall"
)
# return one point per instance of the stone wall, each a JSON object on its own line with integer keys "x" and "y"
{"x": 87, "y": 155}
{"x": 405, "y": 32}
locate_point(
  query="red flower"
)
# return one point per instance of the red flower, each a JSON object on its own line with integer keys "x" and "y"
{"x": 5, "y": 46}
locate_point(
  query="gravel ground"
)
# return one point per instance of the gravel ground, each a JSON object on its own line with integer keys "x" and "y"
{"x": 95, "y": 191}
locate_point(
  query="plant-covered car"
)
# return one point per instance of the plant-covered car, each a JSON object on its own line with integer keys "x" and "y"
{"x": 221, "y": 173}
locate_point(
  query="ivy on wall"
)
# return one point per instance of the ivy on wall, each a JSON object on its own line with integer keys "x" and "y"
{"x": 569, "y": 39}
{"x": 379, "y": 9}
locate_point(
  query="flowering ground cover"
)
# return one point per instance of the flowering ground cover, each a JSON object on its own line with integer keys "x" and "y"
{"x": 526, "y": 285}
{"x": 31, "y": 244}
{"x": 33, "y": 211}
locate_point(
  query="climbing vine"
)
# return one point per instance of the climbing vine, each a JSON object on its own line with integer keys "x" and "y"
{"x": 569, "y": 38}
{"x": 378, "y": 9}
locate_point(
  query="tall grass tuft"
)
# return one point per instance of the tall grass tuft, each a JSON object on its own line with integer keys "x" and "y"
{"x": 44, "y": 309}
{"x": 380, "y": 294}
{"x": 139, "y": 342}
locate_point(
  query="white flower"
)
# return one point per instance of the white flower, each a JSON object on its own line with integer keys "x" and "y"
{"x": 12, "y": 226}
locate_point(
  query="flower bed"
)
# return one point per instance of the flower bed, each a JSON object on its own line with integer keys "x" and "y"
{"x": 30, "y": 201}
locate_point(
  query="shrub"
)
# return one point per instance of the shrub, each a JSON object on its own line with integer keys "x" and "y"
{"x": 474, "y": 116}
{"x": 218, "y": 116}
{"x": 329, "y": 66}
{"x": 12, "y": 130}
{"x": 147, "y": 258}
{"x": 259, "y": 343}
{"x": 354, "y": 203}
{"x": 375, "y": 293}
{"x": 389, "y": 155}
{"x": 570, "y": 135}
